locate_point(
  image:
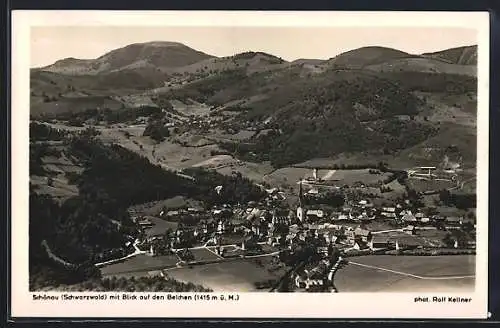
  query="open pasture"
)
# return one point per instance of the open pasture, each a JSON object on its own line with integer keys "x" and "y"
{"x": 420, "y": 185}
{"x": 291, "y": 175}
{"x": 350, "y": 177}
{"x": 386, "y": 273}
{"x": 237, "y": 275}
{"x": 140, "y": 264}
{"x": 205, "y": 254}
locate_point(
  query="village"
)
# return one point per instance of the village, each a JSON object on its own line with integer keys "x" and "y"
{"x": 347, "y": 212}
{"x": 272, "y": 228}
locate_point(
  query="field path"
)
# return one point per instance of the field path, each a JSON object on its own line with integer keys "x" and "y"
{"x": 54, "y": 257}
{"x": 411, "y": 275}
{"x": 211, "y": 251}
{"x": 385, "y": 231}
{"x": 135, "y": 253}
{"x": 329, "y": 174}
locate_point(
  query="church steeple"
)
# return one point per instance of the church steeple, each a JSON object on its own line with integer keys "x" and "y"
{"x": 300, "y": 193}
{"x": 300, "y": 209}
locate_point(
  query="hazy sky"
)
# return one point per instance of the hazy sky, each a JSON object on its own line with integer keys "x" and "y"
{"x": 51, "y": 43}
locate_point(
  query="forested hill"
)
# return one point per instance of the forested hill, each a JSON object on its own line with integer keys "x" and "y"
{"x": 94, "y": 226}
{"x": 353, "y": 102}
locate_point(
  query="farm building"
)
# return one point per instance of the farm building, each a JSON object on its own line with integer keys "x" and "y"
{"x": 409, "y": 217}
{"x": 359, "y": 245}
{"x": 195, "y": 210}
{"x": 362, "y": 234}
{"x": 425, "y": 220}
{"x": 410, "y": 229}
{"x": 407, "y": 243}
{"x": 419, "y": 216}
{"x": 378, "y": 242}
{"x": 342, "y": 217}
{"x": 313, "y": 279}
{"x": 390, "y": 215}
{"x": 453, "y": 222}
{"x": 172, "y": 214}
{"x": 145, "y": 223}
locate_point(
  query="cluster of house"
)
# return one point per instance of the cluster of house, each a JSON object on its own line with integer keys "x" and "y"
{"x": 266, "y": 222}
{"x": 399, "y": 214}
{"x": 318, "y": 277}
{"x": 193, "y": 225}
{"x": 356, "y": 238}
{"x": 364, "y": 211}
{"x": 205, "y": 122}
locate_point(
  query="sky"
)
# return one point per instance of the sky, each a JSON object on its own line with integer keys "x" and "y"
{"x": 51, "y": 43}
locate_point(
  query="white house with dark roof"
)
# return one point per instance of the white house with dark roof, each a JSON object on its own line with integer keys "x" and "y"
{"x": 389, "y": 215}
{"x": 409, "y": 217}
{"x": 363, "y": 203}
{"x": 410, "y": 229}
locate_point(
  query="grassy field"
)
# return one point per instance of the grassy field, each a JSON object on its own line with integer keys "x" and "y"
{"x": 217, "y": 161}
{"x": 433, "y": 236}
{"x": 425, "y": 238}
{"x": 240, "y": 136}
{"x": 254, "y": 171}
{"x": 425, "y": 185}
{"x": 367, "y": 274}
{"x": 287, "y": 176}
{"x": 359, "y": 158}
{"x": 469, "y": 186}
{"x": 290, "y": 176}
{"x": 203, "y": 254}
{"x": 60, "y": 188}
{"x": 160, "y": 226}
{"x": 140, "y": 264}
{"x": 238, "y": 275}
{"x": 154, "y": 208}
{"x": 349, "y": 177}
{"x": 458, "y": 109}
{"x": 191, "y": 108}
{"x": 168, "y": 153}
{"x": 58, "y": 168}
{"x": 379, "y": 226}
{"x": 450, "y": 211}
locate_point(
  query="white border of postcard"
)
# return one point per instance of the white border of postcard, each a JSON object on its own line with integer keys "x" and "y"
{"x": 250, "y": 305}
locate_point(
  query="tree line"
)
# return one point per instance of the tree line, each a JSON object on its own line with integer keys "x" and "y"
{"x": 459, "y": 200}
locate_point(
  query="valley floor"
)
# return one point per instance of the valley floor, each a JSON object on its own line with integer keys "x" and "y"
{"x": 386, "y": 273}
{"x": 367, "y": 274}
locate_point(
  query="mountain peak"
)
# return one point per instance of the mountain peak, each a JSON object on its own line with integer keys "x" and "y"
{"x": 367, "y": 55}
{"x": 158, "y": 44}
{"x": 156, "y": 54}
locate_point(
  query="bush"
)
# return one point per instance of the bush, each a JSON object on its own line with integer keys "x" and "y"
{"x": 43, "y": 132}
{"x": 156, "y": 131}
